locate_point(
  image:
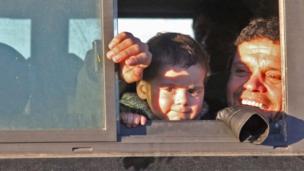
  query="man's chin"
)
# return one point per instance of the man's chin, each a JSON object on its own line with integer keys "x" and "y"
{"x": 267, "y": 112}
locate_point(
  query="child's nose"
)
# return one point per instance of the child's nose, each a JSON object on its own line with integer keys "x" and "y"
{"x": 181, "y": 97}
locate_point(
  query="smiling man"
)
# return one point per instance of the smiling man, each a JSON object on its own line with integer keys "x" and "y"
{"x": 255, "y": 75}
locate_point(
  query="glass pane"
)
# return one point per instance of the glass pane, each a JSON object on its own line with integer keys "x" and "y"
{"x": 50, "y": 67}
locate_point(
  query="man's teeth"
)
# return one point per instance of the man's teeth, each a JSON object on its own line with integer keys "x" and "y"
{"x": 253, "y": 103}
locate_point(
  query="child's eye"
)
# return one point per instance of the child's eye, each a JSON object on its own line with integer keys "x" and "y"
{"x": 195, "y": 91}
{"x": 168, "y": 89}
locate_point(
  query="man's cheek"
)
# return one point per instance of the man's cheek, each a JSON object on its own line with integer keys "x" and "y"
{"x": 233, "y": 96}
{"x": 230, "y": 94}
{"x": 277, "y": 98}
{"x": 235, "y": 86}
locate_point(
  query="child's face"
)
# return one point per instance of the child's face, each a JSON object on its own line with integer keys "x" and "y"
{"x": 178, "y": 93}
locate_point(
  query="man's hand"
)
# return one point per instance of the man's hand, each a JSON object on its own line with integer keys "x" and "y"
{"x": 133, "y": 120}
{"x": 132, "y": 55}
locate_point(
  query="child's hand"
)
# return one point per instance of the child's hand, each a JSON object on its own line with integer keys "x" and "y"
{"x": 132, "y": 55}
{"x": 133, "y": 120}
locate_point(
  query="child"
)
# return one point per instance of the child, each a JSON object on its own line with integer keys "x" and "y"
{"x": 172, "y": 87}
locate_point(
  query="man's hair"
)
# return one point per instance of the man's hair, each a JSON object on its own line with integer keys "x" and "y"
{"x": 174, "y": 49}
{"x": 260, "y": 28}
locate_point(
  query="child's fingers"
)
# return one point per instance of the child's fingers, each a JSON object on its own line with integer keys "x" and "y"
{"x": 124, "y": 118}
{"x": 143, "y": 120}
{"x": 139, "y": 120}
{"x": 136, "y": 120}
{"x": 130, "y": 120}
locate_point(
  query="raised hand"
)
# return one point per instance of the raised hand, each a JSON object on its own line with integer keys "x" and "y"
{"x": 132, "y": 55}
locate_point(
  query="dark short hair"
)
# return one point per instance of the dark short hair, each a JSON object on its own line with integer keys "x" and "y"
{"x": 260, "y": 28}
{"x": 174, "y": 49}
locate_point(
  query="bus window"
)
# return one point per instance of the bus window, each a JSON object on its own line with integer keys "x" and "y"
{"x": 222, "y": 35}
{"x": 52, "y": 69}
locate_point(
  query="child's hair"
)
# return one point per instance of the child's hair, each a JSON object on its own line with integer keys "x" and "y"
{"x": 174, "y": 49}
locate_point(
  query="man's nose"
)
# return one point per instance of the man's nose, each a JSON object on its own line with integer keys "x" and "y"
{"x": 255, "y": 83}
{"x": 181, "y": 97}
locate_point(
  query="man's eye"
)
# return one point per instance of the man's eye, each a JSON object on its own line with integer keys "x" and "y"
{"x": 273, "y": 75}
{"x": 241, "y": 71}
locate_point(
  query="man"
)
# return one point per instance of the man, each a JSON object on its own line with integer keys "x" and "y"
{"x": 255, "y": 74}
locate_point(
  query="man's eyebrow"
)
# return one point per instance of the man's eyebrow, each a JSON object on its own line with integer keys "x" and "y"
{"x": 238, "y": 63}
{"x": 270, "y": 66}
{"x": 196, "y": 86}
{"x": 273, "y": 68}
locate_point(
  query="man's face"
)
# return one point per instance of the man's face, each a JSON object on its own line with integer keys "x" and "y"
{"x": 255, "y": 77}
{"x": 178, "y": 93}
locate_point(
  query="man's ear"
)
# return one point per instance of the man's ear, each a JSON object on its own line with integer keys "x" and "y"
{"x": 142, "y": 89}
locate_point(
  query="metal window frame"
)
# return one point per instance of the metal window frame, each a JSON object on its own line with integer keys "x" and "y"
{"x": 292, "y": 28}
{"x": 293, "y": 36}
{"x": 181, "y": 138}
{"x": 110, "y": 110}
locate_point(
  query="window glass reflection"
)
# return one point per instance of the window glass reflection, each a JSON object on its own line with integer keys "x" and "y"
{"x": 50, "y": 67}
{"x": 16, "y": 29}
{"x": 82, "y": 32}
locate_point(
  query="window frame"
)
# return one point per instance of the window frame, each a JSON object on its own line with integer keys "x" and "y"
{"x": 156, "y": 140}
{"x": 160, "y": 132}
{"x": 292, "y": 27}
{"x": 110, "y": 110}
{"x": 292, "y": 34}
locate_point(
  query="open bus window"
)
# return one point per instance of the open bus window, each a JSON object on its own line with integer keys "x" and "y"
{"x": 217, "y": 32}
